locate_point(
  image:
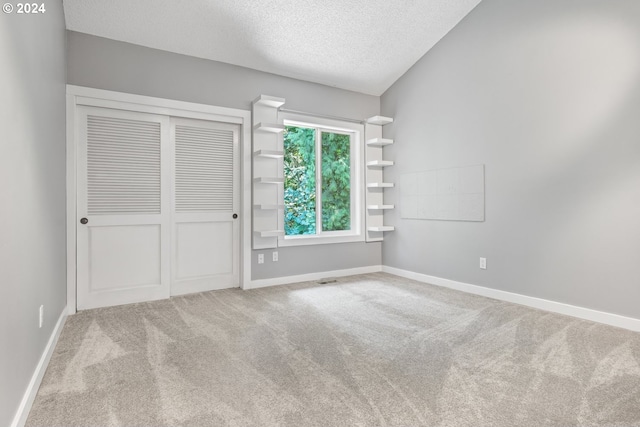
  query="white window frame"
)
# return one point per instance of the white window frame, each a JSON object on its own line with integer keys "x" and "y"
{"x": 356, "y": 130}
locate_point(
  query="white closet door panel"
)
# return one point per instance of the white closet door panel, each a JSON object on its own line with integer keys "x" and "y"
{"x": 202, "y": 249}
{"x": 206, "y": 236}
{"x": 204, "y": 168}
{"x": 124, "y": 194}
{"x": 124, "y": 256}
{"x": 123, "y": 166}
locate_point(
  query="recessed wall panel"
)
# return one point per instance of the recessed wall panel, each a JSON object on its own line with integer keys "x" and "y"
{"x": 452, "y": 194}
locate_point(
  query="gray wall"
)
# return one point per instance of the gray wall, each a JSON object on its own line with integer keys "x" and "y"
{"x": 32, "y": 193}
{"x": 546, "y": 94}
{"x": 107, "y": 64}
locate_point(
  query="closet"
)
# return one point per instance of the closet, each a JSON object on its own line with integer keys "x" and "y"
{"x": 157, "y": 203}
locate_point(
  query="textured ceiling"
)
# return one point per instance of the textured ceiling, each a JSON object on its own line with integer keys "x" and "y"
{"x": 361, "y": 45}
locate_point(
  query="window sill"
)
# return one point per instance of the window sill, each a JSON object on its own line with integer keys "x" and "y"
{"x": 318, "y": 240}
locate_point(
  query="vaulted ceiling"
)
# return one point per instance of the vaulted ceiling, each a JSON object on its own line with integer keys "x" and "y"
{"x": 360, "y": 45}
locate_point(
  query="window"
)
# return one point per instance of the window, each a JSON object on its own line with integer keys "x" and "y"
{"x": 322, "y": 178}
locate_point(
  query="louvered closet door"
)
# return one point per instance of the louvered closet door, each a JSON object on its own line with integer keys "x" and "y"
{"x": 206, "y": 236}
{"x": 123, "y": 178}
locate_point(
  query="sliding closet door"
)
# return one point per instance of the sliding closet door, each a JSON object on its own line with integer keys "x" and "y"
{"x": 123, "y": 207}
{"x": 206, "y": 232}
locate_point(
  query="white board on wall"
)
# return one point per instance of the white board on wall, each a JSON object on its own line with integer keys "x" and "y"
{"x": 453, "y": 194}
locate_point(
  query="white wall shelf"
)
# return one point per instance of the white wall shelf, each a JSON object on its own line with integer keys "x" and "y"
{"x": 268, "y": 127}
{"x": 379, "y": 120}
{"x": 375, "y": 177}
{"x": 379, "y": 163}
{"x": 268, "y": 157}
{"x": 269, "y": 233}
{"x": 379, "y": 142}
{"x": 381, "y": 228}
{"x": 268, "y": 180}
{"x": 265, "y": 207}
{"x": 380, "y": 207}
{"x": 271, "y": 154}
{"x": 269, "y": 101}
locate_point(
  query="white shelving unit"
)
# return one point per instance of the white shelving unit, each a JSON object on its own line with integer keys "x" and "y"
{"x": 379, "y": 120}
{"x": 268, "y": 207}
{"x": 268, "y": 180}
{"x": 268, "y": 127}
{"x": 381, "y": 228}
{"x": 380, "y": 185}
{"x": 379, "y": 163}
{"x": 375, "y": 178}
{"x": 268, "y": 154}
{"x": 271, "y": 154}
{"x": 268, "y": 233}
{"x": 269, "y": 101}
{"x": 379, "y": 142}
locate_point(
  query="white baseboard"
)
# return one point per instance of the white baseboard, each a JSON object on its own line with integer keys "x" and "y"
{"x": 539, "y": 303}
{"x": 30, "y": 394}
{"x": 255, "y": 284}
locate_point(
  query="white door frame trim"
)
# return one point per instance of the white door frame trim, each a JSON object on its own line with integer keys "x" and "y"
{"x": 78, "y": 95}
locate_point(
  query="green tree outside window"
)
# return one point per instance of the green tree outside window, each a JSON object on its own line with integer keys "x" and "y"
{"x": 301, "y": 178}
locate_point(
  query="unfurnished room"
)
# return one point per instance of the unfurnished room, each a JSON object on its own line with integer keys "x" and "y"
{"x": 320, "y": 213}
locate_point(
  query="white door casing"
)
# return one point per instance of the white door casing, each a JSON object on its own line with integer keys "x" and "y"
{"x": 205, "y": 234}
{"x": 123, "y": 192}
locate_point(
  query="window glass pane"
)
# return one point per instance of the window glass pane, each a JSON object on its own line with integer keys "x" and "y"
{"x": 300, "y": 181}
{"x": 336, "y": 182}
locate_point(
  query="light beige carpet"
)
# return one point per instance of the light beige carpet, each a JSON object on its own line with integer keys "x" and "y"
{"x": 371, "y": 350}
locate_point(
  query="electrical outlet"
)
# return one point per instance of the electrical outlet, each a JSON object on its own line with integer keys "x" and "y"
{"x": 41, "y": 315}
{"x": 275, "y": 256}
{"x": 483, "y": 263}
{"x": 260, "y": 258}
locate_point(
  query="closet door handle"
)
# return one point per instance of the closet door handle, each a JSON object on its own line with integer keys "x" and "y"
{"x": 235, "y": 216}
{"x": 84, "y": 221}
